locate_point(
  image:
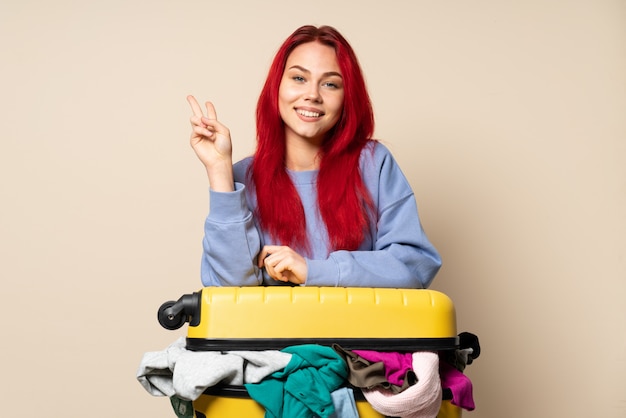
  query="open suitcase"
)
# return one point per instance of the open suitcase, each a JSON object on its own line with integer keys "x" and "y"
{"x": 272, "y": 318}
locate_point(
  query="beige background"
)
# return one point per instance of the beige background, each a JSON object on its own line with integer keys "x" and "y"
{"x": 507, "y": 117}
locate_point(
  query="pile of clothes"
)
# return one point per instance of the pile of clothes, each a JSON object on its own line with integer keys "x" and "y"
{"x": 316, "y": 380}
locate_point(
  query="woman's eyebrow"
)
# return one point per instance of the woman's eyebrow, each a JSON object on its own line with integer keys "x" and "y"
{"x": 326, "y": 74}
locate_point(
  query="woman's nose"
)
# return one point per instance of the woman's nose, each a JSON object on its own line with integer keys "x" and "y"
{"x": 313, "y": 94}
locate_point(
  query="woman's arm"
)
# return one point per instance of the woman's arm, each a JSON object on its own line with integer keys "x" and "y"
{"x": 399, "y": 253}
{"x": 231, "y": 242}
{"x": 402, "y": 256}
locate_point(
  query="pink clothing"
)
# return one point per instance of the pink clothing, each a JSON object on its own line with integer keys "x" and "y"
{"x": 422, "y": 400}
{"x": 459, "y": 384}
{"x": 396, "y": 364}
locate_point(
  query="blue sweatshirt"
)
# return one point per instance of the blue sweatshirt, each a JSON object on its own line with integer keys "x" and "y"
{"x": 396, "y": 253}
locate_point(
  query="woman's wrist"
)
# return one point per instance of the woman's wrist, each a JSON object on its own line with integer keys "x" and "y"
{"x": 221, "y": 177}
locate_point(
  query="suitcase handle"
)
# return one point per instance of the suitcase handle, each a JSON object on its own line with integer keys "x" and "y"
{"x": 173, "y": 314}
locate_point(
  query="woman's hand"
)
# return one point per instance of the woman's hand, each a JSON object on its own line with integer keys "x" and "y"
{"x": 283, "y": 264}
{"x": 211, "y": 142}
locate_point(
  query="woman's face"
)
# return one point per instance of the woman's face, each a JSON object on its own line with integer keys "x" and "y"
{"x": 310, "y": 96}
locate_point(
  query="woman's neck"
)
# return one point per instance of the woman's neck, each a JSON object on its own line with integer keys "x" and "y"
{"x": 302, "y": 156}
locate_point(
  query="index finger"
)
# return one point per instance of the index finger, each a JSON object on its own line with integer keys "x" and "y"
{"x": 195, "y": 106}
{"x": 271, "y": 249}
{"x": 266, "y": 251}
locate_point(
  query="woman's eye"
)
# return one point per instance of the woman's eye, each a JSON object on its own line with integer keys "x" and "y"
{"x": 298, "y": 78}
{"x": 331, "y": 85}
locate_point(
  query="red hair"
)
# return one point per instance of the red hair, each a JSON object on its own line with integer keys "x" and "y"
{"x": 343, "y": 200}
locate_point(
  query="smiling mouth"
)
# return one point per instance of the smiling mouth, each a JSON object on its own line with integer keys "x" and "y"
{"x": 308, "y": 113}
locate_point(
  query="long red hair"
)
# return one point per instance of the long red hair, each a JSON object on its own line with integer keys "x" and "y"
{"x": 344, "y": 202}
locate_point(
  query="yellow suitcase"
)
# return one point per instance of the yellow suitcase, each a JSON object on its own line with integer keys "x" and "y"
{"x": 272, "y": 318}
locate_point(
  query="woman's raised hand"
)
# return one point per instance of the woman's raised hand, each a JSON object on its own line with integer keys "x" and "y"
{"x": 211, "y": 142}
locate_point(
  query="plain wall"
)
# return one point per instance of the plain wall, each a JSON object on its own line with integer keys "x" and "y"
{"x": 508, "y": 118}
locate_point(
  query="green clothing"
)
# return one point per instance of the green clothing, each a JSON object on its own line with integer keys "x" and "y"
{"x": 303, "y": 388}
{"x": 182, "y": 407}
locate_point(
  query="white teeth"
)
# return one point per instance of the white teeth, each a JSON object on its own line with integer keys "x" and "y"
{"x": 309, "y": 114}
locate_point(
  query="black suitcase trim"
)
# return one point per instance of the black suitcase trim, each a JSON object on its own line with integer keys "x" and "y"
{"x": 375, "y": 344}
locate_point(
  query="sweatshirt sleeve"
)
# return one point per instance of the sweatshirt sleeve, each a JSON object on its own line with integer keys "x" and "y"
{"x": 231, "y": 241}
{"x": 399, "y": 255}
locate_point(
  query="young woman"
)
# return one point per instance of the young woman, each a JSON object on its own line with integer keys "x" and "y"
{"x": 320, "y": 203}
